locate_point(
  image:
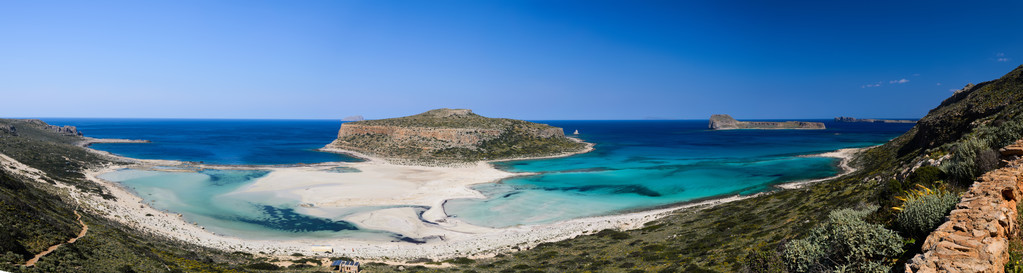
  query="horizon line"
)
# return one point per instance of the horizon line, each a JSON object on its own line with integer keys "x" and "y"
{"x": 340, "y": 119}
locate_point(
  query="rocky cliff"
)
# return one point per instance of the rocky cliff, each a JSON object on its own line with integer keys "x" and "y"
{"x": 725, "y": 122}
{"x": 452, "y": 135}
{"x": 870, "y": 120}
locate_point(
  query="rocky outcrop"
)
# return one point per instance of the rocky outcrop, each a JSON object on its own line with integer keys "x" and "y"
{"x": 9, "y": 129}
{"x": 456, "y": 135}
{"x": 726, "y": 122}
{"x": 1015, "y": 149}
{"x": 64, "y": 130}
{"x": 870, "y": 120}
{"x": 976, "y": 236}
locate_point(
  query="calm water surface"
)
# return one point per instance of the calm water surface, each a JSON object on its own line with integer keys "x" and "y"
{"x": 636, "y": 165}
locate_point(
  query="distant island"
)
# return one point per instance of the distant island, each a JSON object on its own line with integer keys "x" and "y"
{"x": 353, "y": 118}
{"x": 726, "y": 122}
{"x": 452, "y": 136}
{"x": 870, "y": 120}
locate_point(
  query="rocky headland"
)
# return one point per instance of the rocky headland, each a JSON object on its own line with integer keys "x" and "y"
{"x": 726, "y": 122}
{"x": 870, "y": 120}
{"x": 452, "y": 136}
{"x": 62, "y": 130}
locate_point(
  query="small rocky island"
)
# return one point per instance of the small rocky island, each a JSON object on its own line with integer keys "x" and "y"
{"x": 726, "y": 122}
{"x": 452, "y": 136}
{"x": 870, "y": 120}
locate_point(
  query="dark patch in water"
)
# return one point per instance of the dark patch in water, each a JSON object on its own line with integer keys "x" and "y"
{"x": 641, "y": 159}
{"x": 344, "y": 170}
{"x": 616, "y": 189}
{"x": 409, "y": 240}
{"x": 287, "y": 219}
{"x": 419, "y": 213}
{"x": 589, "y": 170}
{"x": 221, "y": 177}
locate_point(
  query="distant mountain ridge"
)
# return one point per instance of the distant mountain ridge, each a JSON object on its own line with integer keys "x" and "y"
{"x": 870, "y": 120}
{"x": 451, "y": 136}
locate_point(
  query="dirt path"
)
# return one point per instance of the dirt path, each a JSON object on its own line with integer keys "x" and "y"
{"x": 85, "y": 229}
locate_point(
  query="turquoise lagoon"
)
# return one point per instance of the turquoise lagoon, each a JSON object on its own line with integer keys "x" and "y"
{"x": 636, "y": 165}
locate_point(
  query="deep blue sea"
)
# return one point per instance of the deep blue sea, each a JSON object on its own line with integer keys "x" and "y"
{"x": 229, "y": 142}
{"x": 636, "y": 165}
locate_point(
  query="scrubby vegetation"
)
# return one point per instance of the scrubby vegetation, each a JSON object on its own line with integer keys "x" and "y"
{"x": 34, "y": 216}
{"x": 923, "y": 210}
{"x": 446, "y": 118}
{"x": 514, "y": 142}
{"x": 484, "y": 138}
{"x": 845, "y": 241}
{"x": 750, "y": 235}
{"x": 771, "y": 233}
{"x": 1015, "y": 263}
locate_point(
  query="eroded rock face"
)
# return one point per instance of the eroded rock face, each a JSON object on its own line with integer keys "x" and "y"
{"x": 10, "y": 129}
{"x": 976, "y": 236}
{"x": 65, "y": 130}
{"x": 720, "y": 122}
{"x": 1013, "y": 149}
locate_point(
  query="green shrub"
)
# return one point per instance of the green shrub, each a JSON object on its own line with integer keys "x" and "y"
{"x": 263, "y": 266}
{"x": 962, "y": 167}
{"x": 925, "y": 175}
{"x": 844, "y": 241}
{"x": 460, "y": 261}
{"x": 763, "y": 261}
{"x": 923, "y": 210}
{"x": 613, "y": 234}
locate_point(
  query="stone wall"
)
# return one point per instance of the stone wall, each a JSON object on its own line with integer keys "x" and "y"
{"x": 976, "y": 236}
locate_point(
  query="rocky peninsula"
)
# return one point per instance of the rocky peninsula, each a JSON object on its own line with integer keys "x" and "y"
{"x": 452, "y": 136}
{"x": 870, "y": 120}
{"x": 726, "y": 122}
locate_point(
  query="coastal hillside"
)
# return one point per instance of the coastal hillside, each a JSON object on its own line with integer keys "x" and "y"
{"x": 451, "y": 136}
{"x": 948, "y": 150}
{"x": 989, "y": 104}
{"x": 38, "y": 210}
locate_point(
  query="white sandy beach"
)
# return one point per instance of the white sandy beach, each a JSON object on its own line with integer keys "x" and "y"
{"x": 378, "y": 183}
{"x": 845, "y": 156}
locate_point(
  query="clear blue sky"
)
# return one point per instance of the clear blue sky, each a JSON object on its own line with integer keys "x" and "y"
{"x": 518, "y": 59}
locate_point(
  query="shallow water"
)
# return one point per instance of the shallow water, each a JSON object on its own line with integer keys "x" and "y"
{"x": 642, "y": 164}
{"x": 636, "y": 165}
{"x": 207, "y": 197}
